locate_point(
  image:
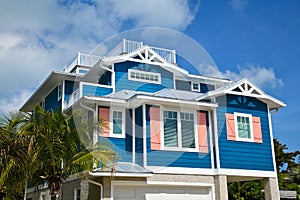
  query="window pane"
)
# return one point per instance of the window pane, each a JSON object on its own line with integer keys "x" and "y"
{"x": 117, "y": 122}
{"x": 187, "y": 130}
{"x": 244, "y": 127}
{"x": 170, "y": 132}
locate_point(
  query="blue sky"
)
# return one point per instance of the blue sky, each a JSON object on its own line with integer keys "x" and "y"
{"x": 256, "y": 39}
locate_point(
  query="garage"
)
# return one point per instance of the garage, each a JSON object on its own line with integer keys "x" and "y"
{"x": 161, "y": 193}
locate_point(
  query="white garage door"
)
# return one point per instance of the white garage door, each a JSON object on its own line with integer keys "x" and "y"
{"x": 161, "y": 193}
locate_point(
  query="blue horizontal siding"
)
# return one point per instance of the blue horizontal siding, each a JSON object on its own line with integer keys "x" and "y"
{"x": 91, "y": 90}
{"x": 122, "y": 82}
{"x": 51, "y": 102}
{"x": 174, "y": 158}
{"x": 118, "y": 145}
{"x": 244, "y": 155}
{"x": 139, "y": 148}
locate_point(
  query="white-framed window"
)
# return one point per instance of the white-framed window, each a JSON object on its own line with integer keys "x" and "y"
{"x": 59, "y": 92}
{"x": 195, "y": 87}
{"x": 144, "y": 76}
{"x": 117, "y": 122}
{"x": 77, "y": 193}
{"x": 243, "y": 127}
{"x": 179, "y": 131}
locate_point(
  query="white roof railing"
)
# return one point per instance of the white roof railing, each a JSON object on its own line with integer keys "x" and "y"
{"x": 126, "y": 46}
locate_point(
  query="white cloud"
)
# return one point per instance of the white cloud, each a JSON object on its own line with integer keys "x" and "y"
{"x": 238, "y": 5}
{"x": 175, "y": 14}
{"x": 14, "y": 101}
{"x": 40, "y": 36}
{"x": 261, "y": 76}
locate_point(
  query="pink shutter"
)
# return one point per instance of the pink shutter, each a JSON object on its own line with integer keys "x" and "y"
{"x": 230, "y": 128}
{"x": 104, "y": 118}
{"x": 202, "y": 132}
{"x": 257, "y": 129}
{"x": 155, "y": 128}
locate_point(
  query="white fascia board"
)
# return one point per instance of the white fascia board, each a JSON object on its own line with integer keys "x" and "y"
{"x": 180, "y": 170}
{"x": 246, "y": 173}
{"x": 110, "y": 100}
{"x": 121, "y": 174}
{"x": 209, "y": 78}
{"x": 196, "y": 103}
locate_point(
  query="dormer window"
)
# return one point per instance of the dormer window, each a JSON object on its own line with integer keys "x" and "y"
{"x": 196, "y": 87}
{"x": 144, "y": 76}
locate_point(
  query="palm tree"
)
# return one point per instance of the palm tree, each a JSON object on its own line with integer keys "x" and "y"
{"x": 59, "y": 151}
{"x": 14, "y": 146}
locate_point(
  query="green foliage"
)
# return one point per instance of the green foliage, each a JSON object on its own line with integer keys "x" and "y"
{"x": 44, "y": 146}
{"x": 287, "y": 180}
{"x": 249, "y": 190}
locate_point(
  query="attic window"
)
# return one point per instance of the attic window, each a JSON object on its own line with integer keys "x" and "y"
{"x": 196, "y": 87}
{"x": 144, "y": 76}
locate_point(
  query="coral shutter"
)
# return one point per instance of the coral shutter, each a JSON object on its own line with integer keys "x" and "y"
{"x": 230, "y": 126}
{"x": 202, "y": 132}
{"x": 257, "y": 129}
{"x": 155, "y": 128}
{"x": 104, "y": 119}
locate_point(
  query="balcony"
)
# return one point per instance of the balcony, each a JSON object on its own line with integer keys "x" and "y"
{"x": 86, "y": 89}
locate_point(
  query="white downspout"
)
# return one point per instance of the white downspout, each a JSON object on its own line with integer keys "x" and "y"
{"x": 98, "y": 184}
{"x": 90, "y": 109}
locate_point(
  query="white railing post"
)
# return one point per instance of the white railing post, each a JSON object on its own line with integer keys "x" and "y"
{"x": 124, "y": 46}
{"x": 174, "y": 56}
{"x": 78, "y": 58}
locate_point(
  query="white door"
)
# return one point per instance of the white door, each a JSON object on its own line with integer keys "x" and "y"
{"x": 161, "y": 193}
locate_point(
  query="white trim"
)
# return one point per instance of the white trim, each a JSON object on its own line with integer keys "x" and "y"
{"x": 169, "y": 183}
{"x": 121, "y": 174}
{"x": 144, "y": 136}
{"x": 63, "y": 96}
{"x": 133, "y": 135}
{"x": 210, "y": 78}
{"x": 144, "y": 73}
{"x": 180, "y": 170}
{"x": 196, "y": 103}
{"x": 238, "y": 138}
{"x": 216, "y": 138}
{"x": 59, "y": 91}
{"x": 43, "y": 104}
{"x": 108, "y": 100}
{"x": 246, "y": 173}
{"x": 97, "y": 85}
{"x": 111, "y": 124}
{"x": 179, "y": 132}
{"x": 210, "y": 139}
{"x": 271, "y": 139}
{"x": 192, "y": 86}
{"x": 113, "y": 78}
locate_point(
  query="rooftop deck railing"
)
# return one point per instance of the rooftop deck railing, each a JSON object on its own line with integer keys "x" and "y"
{"x": 126, "y": 46}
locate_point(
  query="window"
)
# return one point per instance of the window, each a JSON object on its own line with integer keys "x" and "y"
{"x": 59, "y": 92}
{"x": 196, "y": 87}
{"x": 117, "y": 122}
{"x": 243, "y": 126}
{"x": 179, "y": 129}
{"x": 77, "y": 192}
{"x": 144, "y": 76}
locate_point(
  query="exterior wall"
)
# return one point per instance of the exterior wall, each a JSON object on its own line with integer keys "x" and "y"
{"x": 174, "y": 158}
{"x": 92, "y": 90}
{"x": 139, "y": 136}
{"x": 186, "y": 86}
{"x": 122, "y": 82}
{"x": 70, "y": 87}
{"x": 51, "y": 102}
{"x": 244, "y": 155}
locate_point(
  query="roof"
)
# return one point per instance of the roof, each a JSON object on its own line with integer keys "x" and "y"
{"x": 178, "y": 94}
{"x": 123, "y": 167}
{"x": 46, "y": 87}
{"x": 246, "y": 88}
